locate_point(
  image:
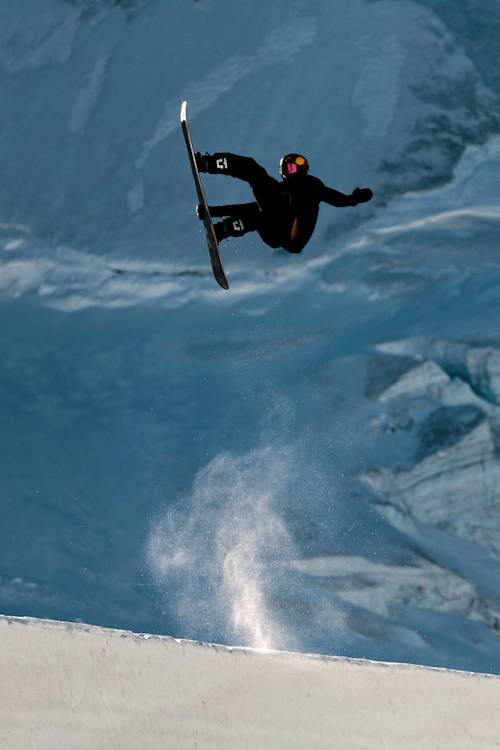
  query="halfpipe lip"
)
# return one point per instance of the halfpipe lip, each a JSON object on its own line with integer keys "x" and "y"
{"x": 108, "y": 631}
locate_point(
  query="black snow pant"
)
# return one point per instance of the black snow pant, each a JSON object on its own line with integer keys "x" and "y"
{"x": 269, "y": 214}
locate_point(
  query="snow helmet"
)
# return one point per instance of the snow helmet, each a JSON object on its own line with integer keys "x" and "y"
{"x": 292, "y": 164}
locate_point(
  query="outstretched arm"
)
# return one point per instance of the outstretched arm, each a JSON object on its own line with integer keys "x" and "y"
{"x": 336, "y": 198}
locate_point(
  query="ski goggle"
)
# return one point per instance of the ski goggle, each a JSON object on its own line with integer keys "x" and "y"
{"x": 292, "y": 167}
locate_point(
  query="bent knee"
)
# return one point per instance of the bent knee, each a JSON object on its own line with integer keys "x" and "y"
{"x": 294, "y": 248}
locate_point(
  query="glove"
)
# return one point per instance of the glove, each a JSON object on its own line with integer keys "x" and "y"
{"x": 361, "y": 195}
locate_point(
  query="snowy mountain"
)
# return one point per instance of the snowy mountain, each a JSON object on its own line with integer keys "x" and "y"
{"x": 310, "y": 460}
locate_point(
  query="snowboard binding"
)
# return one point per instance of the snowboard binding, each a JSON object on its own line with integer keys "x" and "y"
{"x": 210, "y": 163}
{"x": 205, "y": 162}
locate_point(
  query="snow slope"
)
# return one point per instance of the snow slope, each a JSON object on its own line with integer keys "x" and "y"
{"x": 77, "y": 686}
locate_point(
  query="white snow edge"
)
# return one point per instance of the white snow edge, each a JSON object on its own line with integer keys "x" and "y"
{"x": 76, "y": 686}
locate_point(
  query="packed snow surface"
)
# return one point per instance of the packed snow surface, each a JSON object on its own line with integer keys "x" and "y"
{"x": 79, "y": 686}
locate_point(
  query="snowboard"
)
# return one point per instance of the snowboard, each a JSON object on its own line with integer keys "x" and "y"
{"x": 213, "y": 245}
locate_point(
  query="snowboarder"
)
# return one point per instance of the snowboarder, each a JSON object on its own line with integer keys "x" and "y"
{"x": 283, "y": 213}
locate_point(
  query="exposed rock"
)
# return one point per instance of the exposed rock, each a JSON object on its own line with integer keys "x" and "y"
{"x": 483, "y": 366}
{"x": 392, "y": 377}
{"x": 457, "y": 393}
{"x": 478, "y": 364}
{"x": 446, "y": 426}
{"x": 383, "y": 370}
{"x": 425, "y": 379}
{"x": 382, "y": 588}
{"x": 457, "y": 488}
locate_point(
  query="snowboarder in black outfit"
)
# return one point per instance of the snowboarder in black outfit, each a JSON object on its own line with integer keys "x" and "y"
{"x": 283, "y": 213}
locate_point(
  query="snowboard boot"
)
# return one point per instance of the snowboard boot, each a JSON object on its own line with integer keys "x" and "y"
{"x": 200, "y": 211}
{"x": 230, "y": 228}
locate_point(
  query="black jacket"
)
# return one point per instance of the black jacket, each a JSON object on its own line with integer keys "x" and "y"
{"x": 298, "y": 206}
